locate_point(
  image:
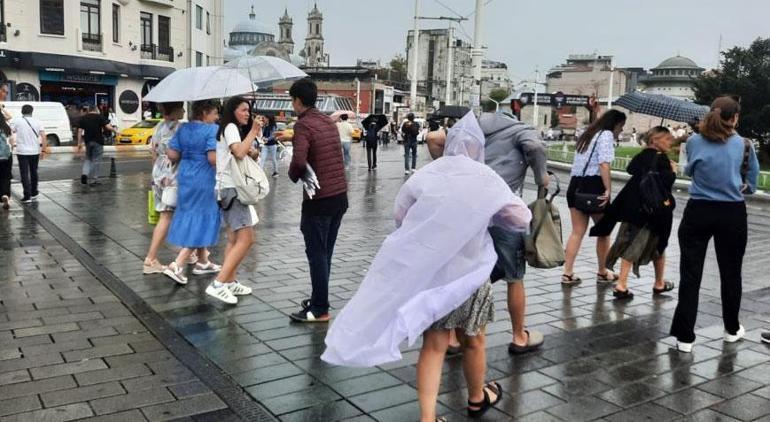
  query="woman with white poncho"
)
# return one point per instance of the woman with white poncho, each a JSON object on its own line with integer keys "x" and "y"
{"x": 432, "y": 274}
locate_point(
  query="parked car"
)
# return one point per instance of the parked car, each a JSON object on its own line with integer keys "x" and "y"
{"x": 138, "y": 134}
{"x": 51, "y": 116}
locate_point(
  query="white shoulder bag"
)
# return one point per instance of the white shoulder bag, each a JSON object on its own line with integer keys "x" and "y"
{"x": 249, "y": 179}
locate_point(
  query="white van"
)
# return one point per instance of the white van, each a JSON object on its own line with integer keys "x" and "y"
{"x": 52, "y": 116}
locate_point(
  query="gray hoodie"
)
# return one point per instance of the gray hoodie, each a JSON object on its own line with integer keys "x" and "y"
{"x": 511, "y": 147}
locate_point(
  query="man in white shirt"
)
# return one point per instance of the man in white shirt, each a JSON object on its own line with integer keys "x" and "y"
{"x": 346, "y": 136}
{"x": 29, "y": 137}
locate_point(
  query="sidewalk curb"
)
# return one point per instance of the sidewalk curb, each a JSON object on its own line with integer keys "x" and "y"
{"x": 761, "y": 196}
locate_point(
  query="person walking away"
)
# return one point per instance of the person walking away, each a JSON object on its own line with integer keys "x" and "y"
{"x": 393, "y": 131}
{"x": 426, "y": 279}
{"x": 270, "y": 149}
{"x": 511, "y": 148}
{"x": 634, "y": 136}
{"x": 644, "y": 231}
{"x": 590, "y": 174}
{"x": 410, "y": 130}
{"x": 30, "y": 136}
{"x": 91, "y": 137}
{"x": 317, "y": 145}
{"x": 346, "y": 137}
{"x": 6, "y": 162}
{"x": 371, "y": 146}
{"x": 239, "y": 219}
{"x": 723, "y": 167}
{"x": 196, "y": 220}
{"x": 163, "y": 176}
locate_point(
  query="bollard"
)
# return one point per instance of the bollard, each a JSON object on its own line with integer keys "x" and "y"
{"x": 113, "y": 170}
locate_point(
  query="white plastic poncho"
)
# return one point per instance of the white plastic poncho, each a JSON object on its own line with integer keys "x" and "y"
{"x": 440, "y": 254}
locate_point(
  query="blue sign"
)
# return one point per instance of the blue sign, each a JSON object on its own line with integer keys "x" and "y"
{"x": 78, "y": 78}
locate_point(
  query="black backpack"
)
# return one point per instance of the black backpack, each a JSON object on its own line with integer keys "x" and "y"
{"x": 654, "y": 196}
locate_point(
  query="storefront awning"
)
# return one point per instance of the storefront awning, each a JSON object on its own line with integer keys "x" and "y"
{"x": 77, "y": 64}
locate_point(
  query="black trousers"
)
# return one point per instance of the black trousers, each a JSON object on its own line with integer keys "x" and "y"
{"x": 320, "y": 233}
{"x": 371, "y": 156}
{"x": 28, "y": 170}
{"x": 727, "y": 223}
{"x": 6, "y": 173}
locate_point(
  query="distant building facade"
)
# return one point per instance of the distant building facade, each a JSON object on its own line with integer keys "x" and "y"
{"x": 674, "y": 77}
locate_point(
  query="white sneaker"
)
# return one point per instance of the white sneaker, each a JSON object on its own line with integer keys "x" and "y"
{"x": 175, "y": 273}
{"x": 207, "y": 268}
{"x": 406, "y": 172}
{"x": 684, "y": 347}
{"x": 732, "y": 338}
{"x": 238, "y": 289}
{"x": 222, "y": 293}
{"x": 413, "y": 171}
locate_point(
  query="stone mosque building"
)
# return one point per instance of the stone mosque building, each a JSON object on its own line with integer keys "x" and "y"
{"x": 251, "y": 37}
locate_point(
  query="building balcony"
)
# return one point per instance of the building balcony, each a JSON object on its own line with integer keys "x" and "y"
{"x": 157, "y": 52}
{"x": 91, "y": 42}
{"x": 167, "y": 3}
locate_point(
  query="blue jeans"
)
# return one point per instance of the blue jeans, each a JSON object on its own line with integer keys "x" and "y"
{"x": 92, "y": 163}
{"x": 410, "y": 148}
{"x": 320, "y": 233}
{"x": 346, "y": 152}
{"x": 270, "y": 151}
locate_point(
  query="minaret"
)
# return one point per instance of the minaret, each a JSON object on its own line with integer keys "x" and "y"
{"x": 284, "y": 25}
{"x": 314, "y": 43}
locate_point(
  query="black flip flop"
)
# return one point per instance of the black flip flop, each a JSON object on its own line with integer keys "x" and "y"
{"x": 485, "y": 404}
{"x": 667, "y": 287}
{"x": 622, "y": 294}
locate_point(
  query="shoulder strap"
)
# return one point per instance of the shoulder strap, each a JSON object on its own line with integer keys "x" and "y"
{"x": 745, "y": 164}
{"x": 588, "y": 161}
{"x": 30, "y": 126}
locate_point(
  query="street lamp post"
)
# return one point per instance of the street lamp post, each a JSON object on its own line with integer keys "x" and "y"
{"x": 477, "y": 54}
{"x": 415, "y": 55}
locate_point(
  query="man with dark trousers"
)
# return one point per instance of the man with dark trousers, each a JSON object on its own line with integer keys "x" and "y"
{"x": 317, "y": 144}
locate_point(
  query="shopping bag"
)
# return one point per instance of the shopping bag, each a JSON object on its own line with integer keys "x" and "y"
{"x": 152, "y": 215}
{"x": 543, "y": 248}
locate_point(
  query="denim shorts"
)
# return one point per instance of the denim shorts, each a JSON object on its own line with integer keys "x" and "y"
{"x": 237, "y": 215}
{"x": 509, "y": 246}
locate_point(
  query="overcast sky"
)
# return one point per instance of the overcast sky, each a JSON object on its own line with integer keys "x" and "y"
{"x": 533, "y": 33}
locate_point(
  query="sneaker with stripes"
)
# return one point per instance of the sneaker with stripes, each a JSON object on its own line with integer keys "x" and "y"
{"x": 238, "y": 289}
{"x": 220, "y": 291}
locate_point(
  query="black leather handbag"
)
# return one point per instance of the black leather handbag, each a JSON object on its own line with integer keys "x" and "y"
{"x": 586, "y": 202}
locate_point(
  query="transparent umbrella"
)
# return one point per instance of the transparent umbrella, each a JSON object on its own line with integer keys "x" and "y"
{"x": 265, "y": 70}
{"x": 200, "y": 83}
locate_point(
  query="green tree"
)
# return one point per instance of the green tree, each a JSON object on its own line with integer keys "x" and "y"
{"x": 745, "y": 72}
{"x": 398, "y": 68}
{"x": 498, "y": 94}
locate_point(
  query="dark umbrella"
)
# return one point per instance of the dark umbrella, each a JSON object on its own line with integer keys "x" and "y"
{"x": 662, "y": 106}
{"x": 380, "y": 120}
{"x": 451, "y": 111}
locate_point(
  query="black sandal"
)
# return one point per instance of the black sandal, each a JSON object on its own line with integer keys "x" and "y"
{"x": 440, "y": 419}
{"x": 667, "y": 287}
{"x": 603, "y": 278}
{"x": 622, "y": 294}
{"x": 570, "y": 280}
{"x": 485, "y": 404}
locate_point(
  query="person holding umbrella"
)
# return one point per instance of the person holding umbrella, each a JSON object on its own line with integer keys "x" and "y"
{"x": 371, "y": 146}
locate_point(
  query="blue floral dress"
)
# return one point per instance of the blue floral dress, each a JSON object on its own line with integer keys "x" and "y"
{"x": 196, "y": 219}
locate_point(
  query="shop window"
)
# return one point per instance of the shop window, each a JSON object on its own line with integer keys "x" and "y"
{"x": 198, "y": 17}
{"x": 52, "y": 17}
{"x": 115, "y": 23}
{"x": 198, "y": 58}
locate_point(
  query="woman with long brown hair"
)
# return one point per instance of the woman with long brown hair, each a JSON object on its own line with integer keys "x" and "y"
{"x": 723, "y": 167}
{"x": 590, "y": 173}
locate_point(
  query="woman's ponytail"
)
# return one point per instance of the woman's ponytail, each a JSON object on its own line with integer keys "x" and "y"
{"x": 717, "y": 126}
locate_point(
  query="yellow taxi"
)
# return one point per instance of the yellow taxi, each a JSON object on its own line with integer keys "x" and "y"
{"x": 138, "y": 134}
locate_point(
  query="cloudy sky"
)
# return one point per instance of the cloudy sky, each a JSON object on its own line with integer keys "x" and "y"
{"x": 530, "y": 34}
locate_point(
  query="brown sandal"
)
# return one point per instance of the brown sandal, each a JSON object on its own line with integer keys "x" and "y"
{"x": 570, "y": 280}
{"x": 485, "y": 404}
{"x": 604, "y": 278}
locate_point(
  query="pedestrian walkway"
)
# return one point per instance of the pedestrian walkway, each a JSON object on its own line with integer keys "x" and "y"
{"x": 601, "y": 360}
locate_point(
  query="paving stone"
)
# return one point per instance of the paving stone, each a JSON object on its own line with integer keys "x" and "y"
{"x": 291, "y": 402}
{"x": 187, "y": 407}
{"x": 19, "y": 405}
{"x": 365, "y": 384}
{"x": 112, "y": 374}
{"x": 631, "y": 394}
{"x": 730, "y": 386}
{"x": 189, "y": 389}
{"x": 131, "y": 400}
{"x": 521, "y": 404}
{"x": 330, "y": 411}
{"x": 36, "y": 387}
{"x": 405, "y": 412}
{"x": 647, "y": 412}
{"x": 156, "y": 356}
{"x": 97, "y": 352}
{"x": 745, "y": 407}
{"x": 56, "y": 347}
{"x": 708, "y": 415}
{"x": 159, "y": 380}
{"x": 689, "y": 400}
{"x": 30, "y": 362}
{"x": 14, "y": 377}
{"x": 389, "y": 397}
{"x": 67, "y": 368}
{"x": 81, "y": 394}
{"x": 60, "y": 319}
{"x": 583, "y": 409}
{"x": 282, "y": 386}
{"x": 134, "y": 415}
{"x": 69, "y": 412}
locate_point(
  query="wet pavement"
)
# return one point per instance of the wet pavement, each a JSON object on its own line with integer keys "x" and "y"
{"x": 602, "y": 360}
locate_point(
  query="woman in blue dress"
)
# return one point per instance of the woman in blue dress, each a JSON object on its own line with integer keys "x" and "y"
{"x": 196, "y": 218}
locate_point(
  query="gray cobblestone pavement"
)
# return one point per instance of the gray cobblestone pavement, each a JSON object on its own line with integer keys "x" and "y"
{"x": 602, "y": 360}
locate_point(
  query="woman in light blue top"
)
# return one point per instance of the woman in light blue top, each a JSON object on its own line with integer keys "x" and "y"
{"x": 594, "y": 153}
{"x": 723, "y": 167}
